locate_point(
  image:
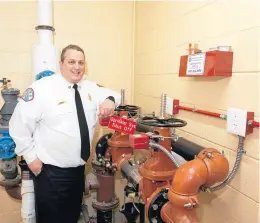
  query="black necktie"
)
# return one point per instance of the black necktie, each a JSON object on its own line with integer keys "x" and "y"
{"x": 83, "y": 126}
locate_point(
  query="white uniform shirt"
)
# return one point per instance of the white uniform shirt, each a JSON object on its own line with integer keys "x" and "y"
{"x": 47, "y": 127}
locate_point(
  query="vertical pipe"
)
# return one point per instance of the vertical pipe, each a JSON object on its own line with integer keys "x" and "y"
{"x": 104, "y": 216}
{"x": 45, "y": 37}
{"x": 44, "y": 54}
{"x": 122, "y": 96}
{"x": 45, "y": 19}
{"x": 163, "y": 105}
{"x": 28, "y": 198}
{"x": 45, "y": 12}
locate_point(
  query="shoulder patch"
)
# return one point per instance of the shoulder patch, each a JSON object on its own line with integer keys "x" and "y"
{"x": 28, "y": 95}
{"x": 100, "y": 85}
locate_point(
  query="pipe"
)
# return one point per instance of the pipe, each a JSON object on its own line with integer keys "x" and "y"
{"x": 185, "y": 148}
{"x": 165, "y": 151}
{"x": 163, "y": 105}
{"x": 240, "y": 152}
{"x": 208, "y": 168}
{"x": 27, "y": 192}
{"x": 252, "y": 123}
{"x": 122, "y": 96}
{"x": 45, "y": 12}
{"x": 213, "y": 114}
{"x": 28, "y": 201}
{"x": 44, "y": 54}
{"x": 130, "y": 172}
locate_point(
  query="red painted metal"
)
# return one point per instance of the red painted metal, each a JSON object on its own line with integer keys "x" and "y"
{"x": 213, "y": 114}
{"x": 255, "y": 124}
{"x": 250, "y": 115}
{"x": 217, "y": 63}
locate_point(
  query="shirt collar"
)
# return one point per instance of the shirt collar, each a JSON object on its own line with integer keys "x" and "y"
{"x": 69, "y": 84}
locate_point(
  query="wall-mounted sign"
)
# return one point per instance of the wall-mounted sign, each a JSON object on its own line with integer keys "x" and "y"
{"x": 196, "y": 63}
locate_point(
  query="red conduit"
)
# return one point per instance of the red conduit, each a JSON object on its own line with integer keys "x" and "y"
{"x": 255, "y": 124}
{"x": 214, "y": 114}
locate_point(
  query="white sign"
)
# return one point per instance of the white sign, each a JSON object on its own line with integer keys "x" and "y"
{"x": 196, "y": 63}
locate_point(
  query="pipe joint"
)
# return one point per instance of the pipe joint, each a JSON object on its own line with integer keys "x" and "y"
{"x": 217, "y": 165}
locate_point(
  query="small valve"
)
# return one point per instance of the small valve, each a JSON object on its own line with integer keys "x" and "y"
{"x": 5, "y": 82}
{"x": 139, "y": 141}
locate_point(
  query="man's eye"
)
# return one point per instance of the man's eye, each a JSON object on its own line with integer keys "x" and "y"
{"x": 71, "y": 62}
{"x": 81, "y": 63}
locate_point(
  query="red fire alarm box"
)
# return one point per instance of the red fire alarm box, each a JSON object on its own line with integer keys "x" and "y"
{"x": 212, "y": 63}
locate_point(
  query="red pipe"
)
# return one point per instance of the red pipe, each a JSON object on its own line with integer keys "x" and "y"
{"x": 255, "y": 124}
{"x": 214, "y": 114}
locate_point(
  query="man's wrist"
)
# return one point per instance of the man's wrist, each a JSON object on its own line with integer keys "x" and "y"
{"x": 111, "y": 98}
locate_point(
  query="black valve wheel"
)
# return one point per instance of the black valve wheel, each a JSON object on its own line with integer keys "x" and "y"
{"x": 132, "y": 109}
{"x": 163, "y": 122}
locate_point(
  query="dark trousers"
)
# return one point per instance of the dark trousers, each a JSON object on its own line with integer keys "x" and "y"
{"x": 58, "y": 194}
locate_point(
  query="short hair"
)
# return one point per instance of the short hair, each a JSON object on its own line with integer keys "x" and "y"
{"x": 70, "y": 47}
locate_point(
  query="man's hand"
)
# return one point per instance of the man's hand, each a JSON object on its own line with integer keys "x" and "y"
{"x": 106, "y": 108}
{"x": 35, "y": 166}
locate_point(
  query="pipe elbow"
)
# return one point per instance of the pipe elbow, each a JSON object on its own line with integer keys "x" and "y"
{"x": 189, "y": 177}
{"x": 217, "y": 166}
{"x": 208, "y": 168}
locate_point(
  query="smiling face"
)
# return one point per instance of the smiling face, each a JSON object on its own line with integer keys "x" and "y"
{"x": 72, "y": 66}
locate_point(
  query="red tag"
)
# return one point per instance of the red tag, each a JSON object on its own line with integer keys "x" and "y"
{"x": 122, "y": 125}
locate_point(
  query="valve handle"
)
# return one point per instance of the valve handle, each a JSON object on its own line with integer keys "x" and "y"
{"x": 5, "y": 81}
{"x": 127, "y": 108}
{"x": 163, "y": 122}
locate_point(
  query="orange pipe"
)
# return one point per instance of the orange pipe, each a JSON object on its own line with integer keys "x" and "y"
{"x": 208, "y": 168}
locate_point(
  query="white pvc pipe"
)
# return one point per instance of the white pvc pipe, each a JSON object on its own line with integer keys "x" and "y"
{"x": 45, "y": 19}
{"x": 45, "y": 37}
{"x": 44, "y": 54}
{"x": 28, "y": 202}
{"x": 45, "y": 12}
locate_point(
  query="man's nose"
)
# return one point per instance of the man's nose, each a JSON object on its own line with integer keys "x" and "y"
{"x": 77, "y": 66}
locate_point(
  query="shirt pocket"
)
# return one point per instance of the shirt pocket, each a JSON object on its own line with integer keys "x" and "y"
{"x": 63, "y": 119}
{"x": 62, "y": 109}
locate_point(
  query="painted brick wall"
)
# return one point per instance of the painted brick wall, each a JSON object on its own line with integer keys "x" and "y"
{"x": 162, "y": 34}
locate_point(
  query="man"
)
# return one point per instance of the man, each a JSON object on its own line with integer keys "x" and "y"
{"x": 53, "y": 126}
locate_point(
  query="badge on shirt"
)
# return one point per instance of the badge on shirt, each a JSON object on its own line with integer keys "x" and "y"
{"x": 61, "y": 102}
{"x": 28, "y": 95}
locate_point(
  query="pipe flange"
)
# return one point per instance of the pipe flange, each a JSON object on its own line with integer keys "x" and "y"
{"x": 11, "y": 182}
{"x": 102, "y": 206}
{"x": 102, "y": 145}
{"x": 45, "y": 27}
{"x": 154, "y": 210}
